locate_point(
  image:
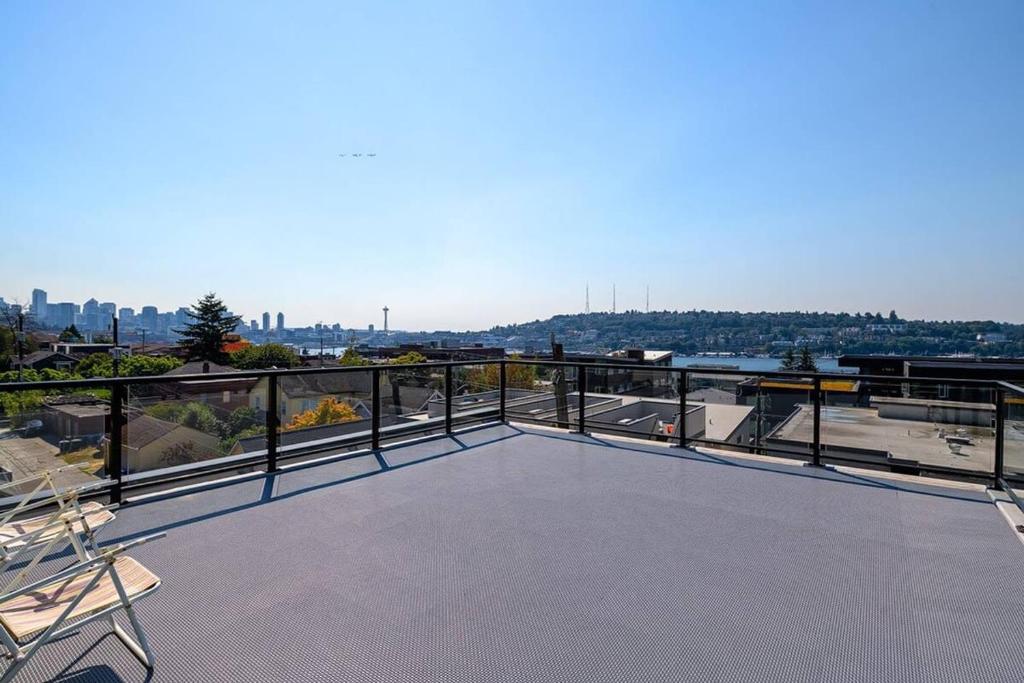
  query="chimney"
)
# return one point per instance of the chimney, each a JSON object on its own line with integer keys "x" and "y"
{"x": 206, "y": 367}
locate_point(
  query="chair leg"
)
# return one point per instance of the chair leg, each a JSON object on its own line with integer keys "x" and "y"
{"x": 140, "y": 649}
{"x": 13, "y": 670}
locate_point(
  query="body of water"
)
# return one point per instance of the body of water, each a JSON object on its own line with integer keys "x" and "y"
{"x": 754, "y": 364}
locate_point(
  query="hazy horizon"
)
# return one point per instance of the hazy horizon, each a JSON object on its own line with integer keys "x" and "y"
{"x": 807, "y": 157}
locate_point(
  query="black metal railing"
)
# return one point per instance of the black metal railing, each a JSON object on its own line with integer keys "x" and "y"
{"x": 591, "y": 407}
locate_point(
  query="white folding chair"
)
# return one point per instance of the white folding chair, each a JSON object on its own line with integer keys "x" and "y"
{"x": 67, "y": 521}
{"x": 83, "y": 593}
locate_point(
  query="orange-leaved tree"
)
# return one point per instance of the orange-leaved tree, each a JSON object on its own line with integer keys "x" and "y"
{"x": 329, "y": 411}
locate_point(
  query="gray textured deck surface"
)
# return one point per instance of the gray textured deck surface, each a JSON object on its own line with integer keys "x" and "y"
{"x": 529, "y": 557}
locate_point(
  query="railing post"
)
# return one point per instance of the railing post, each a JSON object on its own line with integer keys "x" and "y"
{"x": 581, "y": 384}
{"x": 448, "y": 399}
{"x": 375, "y": 406}
{"x": 817, "y": 422}
{"x": 114, "y": 464}
{"x": 684, "y": 385}
{"x": 997, "y": 473}
{"x": 273, "y": 423}
{"x": 501, "y": 390}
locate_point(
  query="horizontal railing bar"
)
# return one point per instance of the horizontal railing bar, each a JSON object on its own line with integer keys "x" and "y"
{"x": 101, "y": 382}
{"x": 1011, "y": 387}
{"x": 240, "y": 375}
{"x": 775, "y": 374}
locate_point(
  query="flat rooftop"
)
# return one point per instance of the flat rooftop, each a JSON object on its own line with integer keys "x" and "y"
{"x": 862, "y": 429}
{"x": 512, "y": 554}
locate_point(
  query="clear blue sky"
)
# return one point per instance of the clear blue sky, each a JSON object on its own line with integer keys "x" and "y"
{"x": 758, "y": 156}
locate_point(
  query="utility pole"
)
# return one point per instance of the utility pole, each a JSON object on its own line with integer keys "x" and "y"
{"x": 321, "y": 343}
{"x": 115, "y": 351}
{"x": 20, "y": 336}
{"x": 587, "y": 308}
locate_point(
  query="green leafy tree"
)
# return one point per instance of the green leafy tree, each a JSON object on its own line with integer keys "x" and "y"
{"x": 409, "y": 358}
{"x": 351, "y": 357}
{"x": 200, "y": 416}
{"x": 241, "y": 420}
{"x": 203, "y": 338}
{"x": 71, "y": 334}
{"x": 264, "y": 356}
{"x": 102, "y": 365}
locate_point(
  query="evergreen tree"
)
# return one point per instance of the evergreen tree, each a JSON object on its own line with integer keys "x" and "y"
{"x": 788, "y": 360}
{"x": 806, "y": 362}
{"x": 71, "y": 334}
{"x": 203, "y": 338}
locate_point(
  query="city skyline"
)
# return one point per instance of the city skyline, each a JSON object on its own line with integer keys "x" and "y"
{"x": 266, "y": 323}
{"x": 527, "y": 150}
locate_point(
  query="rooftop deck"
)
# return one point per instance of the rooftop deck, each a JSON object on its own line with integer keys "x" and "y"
{"x": 511, "y": 554}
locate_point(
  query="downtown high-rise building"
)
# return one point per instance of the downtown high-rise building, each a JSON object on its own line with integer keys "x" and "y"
{"x": 280, "y": 322}
{"x": 148, "y": 318}
{"x": 266, "y": 322}
{"x": 39, "y": 304}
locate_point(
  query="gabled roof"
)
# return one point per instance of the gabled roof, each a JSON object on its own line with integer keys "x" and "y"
{"x": 38, "y": 356}
{"x": 145, "y": 429}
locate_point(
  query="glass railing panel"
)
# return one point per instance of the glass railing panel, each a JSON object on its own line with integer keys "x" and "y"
{"x": 780, "y": 419}
{"x": 722, "y": 409}
{"x": 640, "y": 402}
{"x": 408, "y": 395}
{"x": 476, "y": 391}
{"x": 324, "y": 413}
{"x": 175, "y": 424}
{"x": 553, "y": 399}
{"x": 46, "y": 430}
{"x": 908, "y": 426}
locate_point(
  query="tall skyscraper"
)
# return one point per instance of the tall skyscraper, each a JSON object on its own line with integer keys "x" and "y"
{"x": 107, "y": 312}
{"x": 266, "y": 322}
{"x": 280, "y": 322}
{"x": 65, "y": 314}
{"x": 39, "y": 304}
{"x": 148, "y": 318}
{"x": 91, "y": 315}
{"x": 254, "y": 326}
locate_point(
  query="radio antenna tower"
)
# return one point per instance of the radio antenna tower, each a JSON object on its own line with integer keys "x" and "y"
{"x": 648, "y": 303}
{"x": 587, "y": 308}
{"x": 613, "y": 297}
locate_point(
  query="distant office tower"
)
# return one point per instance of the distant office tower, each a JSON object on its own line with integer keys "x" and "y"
{"x": 64, "y": 315}
{"x": 91, "y": 315}
{"x": 39, "y": 309}
{"x": 148, "y": 318}
{"x": 181, "y": 316}
{"x": 266, "y": 322}
{"x": 254, "y": 326}
{"x": 126, "y": 316}
{"x": 370, "y": 328}
{"x": 107, "y": 312}
{"x": 280, "y": 322}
